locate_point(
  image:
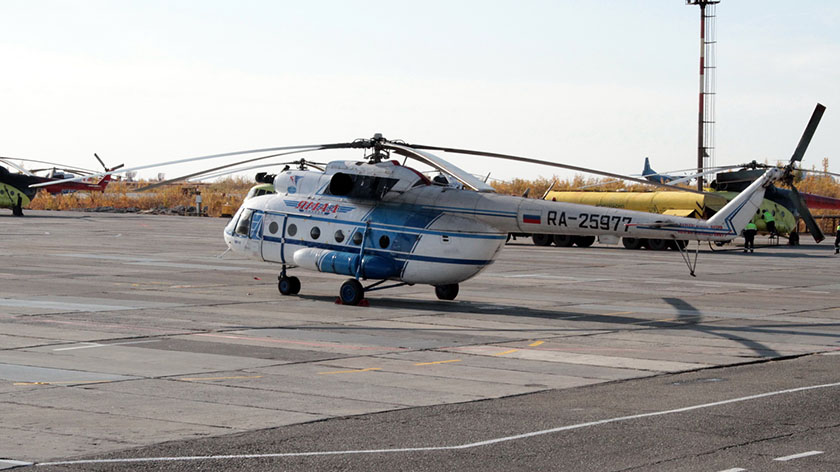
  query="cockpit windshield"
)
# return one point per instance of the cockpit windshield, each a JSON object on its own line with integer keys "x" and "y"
{"x": 243, "y": 225}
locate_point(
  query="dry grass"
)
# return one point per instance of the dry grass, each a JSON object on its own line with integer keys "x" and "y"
{"x": 124, "y": 195}
{"x": 539, "y": 185}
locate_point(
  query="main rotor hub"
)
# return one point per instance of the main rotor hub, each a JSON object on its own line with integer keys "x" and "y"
{"x": 379, "y": 151}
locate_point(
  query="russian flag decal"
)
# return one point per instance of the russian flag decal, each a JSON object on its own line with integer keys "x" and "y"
{"x": 533, "y": 219}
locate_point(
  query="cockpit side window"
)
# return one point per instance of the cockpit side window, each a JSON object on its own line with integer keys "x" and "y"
{"x": 244, "y": 224}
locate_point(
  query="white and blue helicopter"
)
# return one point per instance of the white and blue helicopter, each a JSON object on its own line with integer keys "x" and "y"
{"x": 381, "y": 221}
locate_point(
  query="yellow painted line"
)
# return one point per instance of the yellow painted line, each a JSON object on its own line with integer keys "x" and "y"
{"x": 506, "y": 352}
{"x": 536, "y": 343}
{"x": 438, "y": 362}
{"x": 616, "y": 313}
{"x": 222, "y": 378}
{"x": 350, "y": 371}
{"x": 66, "y": 382}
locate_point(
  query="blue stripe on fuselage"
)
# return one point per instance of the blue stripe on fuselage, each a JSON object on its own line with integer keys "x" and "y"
{"x": 392, "y": 227}
{"x": 399, "y": 256}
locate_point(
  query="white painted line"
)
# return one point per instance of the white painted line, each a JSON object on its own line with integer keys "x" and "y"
{"x": 84, "y": 346}
{"x": 449, "y": 448}
{"x": 8, "y": 463}
{"x": 90, "y": 345}
{"x": 736, "y": 469}
{"x": 798, "y": 456}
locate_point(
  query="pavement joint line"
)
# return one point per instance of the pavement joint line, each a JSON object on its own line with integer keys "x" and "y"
{"x": 65, "y": 382}
{"x": 487, "y": 442}
{"x": 369, "y": 369}
{"x": 303, "y": 343}
{"x": 191, "y": 379}
{"x": 798, "y": 456}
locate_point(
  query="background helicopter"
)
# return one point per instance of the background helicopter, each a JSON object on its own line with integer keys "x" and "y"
{"x": 785, "y": 205}
{"x": 382, "y": 221}
{"x": 15, "y": 188}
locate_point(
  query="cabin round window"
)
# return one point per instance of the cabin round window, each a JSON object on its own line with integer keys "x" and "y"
{"x": 357, "y": 238}
{"x": 273, "y": 227}
{"x": 315, "y": 232}
{"x": 384, "y": 241}
{"x": 291, "y": 230}
{"x": 339, "y": 236}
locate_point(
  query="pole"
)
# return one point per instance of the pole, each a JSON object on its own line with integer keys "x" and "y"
{"x": 700, "y": 147}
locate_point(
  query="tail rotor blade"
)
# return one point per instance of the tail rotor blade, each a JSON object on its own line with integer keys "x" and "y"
{"x": 810, "y": 223}
{"x": 808, "y": 134}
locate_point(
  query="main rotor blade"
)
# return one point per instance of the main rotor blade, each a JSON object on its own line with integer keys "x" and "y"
{"x": 211, "y": 156}
{"x": 805, "y": 214}
{"x": 550, "y": 164}
{"x": 461, "y": 175}
{"x": 207, "y": 171}
{"x": 823, "y": 172}
{"x": 51, "y": 164}
{"x": 698, "y": 174}
{"x": 315, "y": 165}
{"x": 805, "y": 140}
{"x": 76, "y": 171}
{"x": 17, "y": 167}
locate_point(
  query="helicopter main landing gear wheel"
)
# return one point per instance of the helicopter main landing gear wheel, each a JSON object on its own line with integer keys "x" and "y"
{"x": 288, "y": 285}
{"x": 446, "y": 292}
{"x": 541, "y": 239}
{"x": 351, "y": 292}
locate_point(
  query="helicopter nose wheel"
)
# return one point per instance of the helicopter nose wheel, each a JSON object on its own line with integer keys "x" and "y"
{"x": 351, "y": 292}
{"x": 288, "y": 285}
{"x": 446, "y": 292}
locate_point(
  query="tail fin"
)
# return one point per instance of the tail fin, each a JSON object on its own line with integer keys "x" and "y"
{"x": 738, "y": 212}
{"x": 103, "y": 182}
{"x": 647, "y": 170}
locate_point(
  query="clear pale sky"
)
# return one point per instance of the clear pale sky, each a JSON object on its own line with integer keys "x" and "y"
{"x": 589, "y": 83}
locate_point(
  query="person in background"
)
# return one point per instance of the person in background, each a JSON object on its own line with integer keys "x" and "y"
{"x": 770, "y": 222}
{"x": 749, "y": 236}
{"x": 837, "y": 241}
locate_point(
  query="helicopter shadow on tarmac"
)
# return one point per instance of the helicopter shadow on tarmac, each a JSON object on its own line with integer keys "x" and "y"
{"x": 688, "y": 318}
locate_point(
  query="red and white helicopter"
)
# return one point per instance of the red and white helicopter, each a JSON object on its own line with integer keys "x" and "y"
{"x": 381, "y": 221}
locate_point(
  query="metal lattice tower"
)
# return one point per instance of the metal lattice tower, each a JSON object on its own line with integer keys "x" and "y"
{"x": 708, "y": 64}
